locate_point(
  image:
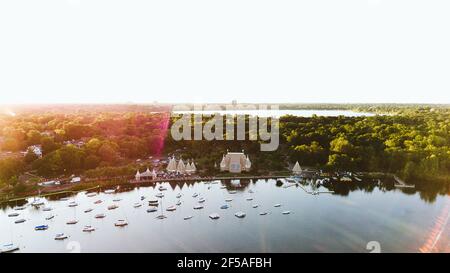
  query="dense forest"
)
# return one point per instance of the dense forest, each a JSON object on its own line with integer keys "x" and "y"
{"x": 412, "y": 142}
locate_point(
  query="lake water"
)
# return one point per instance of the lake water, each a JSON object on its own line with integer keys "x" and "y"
{"x": 345, "y": 221}
{"x": 279, "y": 113}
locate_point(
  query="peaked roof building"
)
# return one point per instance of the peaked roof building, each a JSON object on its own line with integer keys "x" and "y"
{"x": 235, "y": 162}
{"x": 297, "y": 169}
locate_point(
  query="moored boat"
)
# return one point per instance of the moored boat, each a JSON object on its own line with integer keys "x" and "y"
{"x": 88, "y": 229}
{"x": 72, "y": 222}
{"x": 113, "y": 207}
{"x": 61, "y": 236}
{"x": 188, "y": 217}
{"x": 198, "y": 207}
{"x": 121, "y": 223}
{"x": 100, "y": 216}
{"x": 8, "y": 248}
{"x": 171, "y": 208}
{"x": 88, "y": 210}
{"x": 14, "y": 214}
{"x": 20, "y": 221}
{"x": 214, "y": 216}
{"x": 240, "y": 214}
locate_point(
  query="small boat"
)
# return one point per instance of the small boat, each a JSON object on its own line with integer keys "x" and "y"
{"x": 14, "y": 214}
{"x": 47, "y": 209}
{"x": 214, "y": 216}
{"x": 50, "y": 217}
{"x": 198, "y": 207}
{"x": 100, "y": 216}
{"x": 255, "y": 206}
{"x": 121, "y": 223}
{"x": 263, "y": 213}
{"x": 178, "y": 195}
{"x": 110, "y": 191}
{"x": 223, "y": 187}
{"x": 98, "y": 202}
{"x": 249, "y": 199}
{"x": 161, "y": 216}
{"x": 37, "y": 203}
{"x": 112, "y": 207}
{"x": 61, "y": 236}
{"x": 72, "y": 222}
{"x": 142, "y": 198}
{"x": 228, "y": 200}
{"x": 20, "y": 208}
{"x": 73, "y": 204}
{"x": 88, "y": 229}
{"x": 162, "y": 188}
{"x": 152, "y": 210}
{"x": 215, "y": 182}
{"x": 188, "y": 217}
{"x": 201, "y": 200}
{"x": 117, "y": 200}
{"x": 64, "y": 199}
{"x": 232, "y": 192}
{"x": 8, "y": 248}
{"x": 224, "y": 207}
{"x": 137, "y": 205}
{"x": 178, "y": 203}
{"x": 160, "y": 195}
{"x": 277, "y": 205}
{"x": 195, "y": 195}
{"x": 240, "y": 214}
{"x": 171, "y": 208}
{"x": 91, "y": 194}
{"x": 19, "y": 221}
{"x": 153, "y": 203}
{"x": 88, "y": 210}
{"x": 357, "y": 179}
{"x": 286, "y": 212}
{"x": 41, "y": 227}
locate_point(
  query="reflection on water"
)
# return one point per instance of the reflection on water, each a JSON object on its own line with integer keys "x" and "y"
{"x": 323, "y": 217}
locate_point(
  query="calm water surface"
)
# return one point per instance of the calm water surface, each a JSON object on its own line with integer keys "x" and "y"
{"x": 318, "y": 223}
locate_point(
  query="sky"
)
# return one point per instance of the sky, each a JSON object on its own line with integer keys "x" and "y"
{"x": 141, "y": 51}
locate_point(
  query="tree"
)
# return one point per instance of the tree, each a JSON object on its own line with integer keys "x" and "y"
{"x": 33, "y": 137}
{"x": 48, "y": 145}
{"x": 30, "y": 156}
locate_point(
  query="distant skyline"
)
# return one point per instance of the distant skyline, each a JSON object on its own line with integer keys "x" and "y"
{"x": 327, "y": 51}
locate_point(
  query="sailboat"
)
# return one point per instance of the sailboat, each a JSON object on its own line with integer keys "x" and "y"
{"x": 88, "y": 229}
{"x": 161, "y": 216}
{"x": 61, "y": 236}
{"x": 8, "y": 248}
{"x": 37, "y": 202}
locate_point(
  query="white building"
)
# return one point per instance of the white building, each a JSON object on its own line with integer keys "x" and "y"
{"x": 180, "y": 167}
{"x": 37, "y": 150}
{"x": 297, "y": 169}
{"x": 235, "y": 162}
{"x": 147, "y": 175}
